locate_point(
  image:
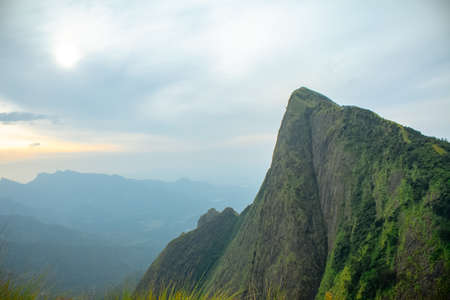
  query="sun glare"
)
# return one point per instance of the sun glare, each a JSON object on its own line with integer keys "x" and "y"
{"x": 67, "y": 56}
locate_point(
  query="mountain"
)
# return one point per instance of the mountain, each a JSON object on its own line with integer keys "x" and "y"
{"x": 70, "y": 260}
{"x": 194, "y": 252}
{"x": 132, "y": 220}
{"x": 10, "y": 207}
{"x": 353, "y": 206}
{"x": 121, "y": 209}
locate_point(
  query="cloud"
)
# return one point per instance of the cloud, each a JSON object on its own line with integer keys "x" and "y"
{"x": 34, "y": 145}
{"x": 164, "y": 79}
{"x": 16, "y": 116}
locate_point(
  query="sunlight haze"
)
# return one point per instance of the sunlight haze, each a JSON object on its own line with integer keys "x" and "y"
{"x": 148, "y": 89}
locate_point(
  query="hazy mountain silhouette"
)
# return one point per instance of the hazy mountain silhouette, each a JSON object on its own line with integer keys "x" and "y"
{"x": 128, "y": 220}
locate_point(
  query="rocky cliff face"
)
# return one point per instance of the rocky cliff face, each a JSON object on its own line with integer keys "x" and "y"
{"x": 353, "y": 206}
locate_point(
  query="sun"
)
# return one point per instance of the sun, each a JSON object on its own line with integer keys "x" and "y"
{"x": 67, "y": 55}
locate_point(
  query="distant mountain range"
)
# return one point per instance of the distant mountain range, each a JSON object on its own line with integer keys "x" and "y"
{"x": 62, "y": 221}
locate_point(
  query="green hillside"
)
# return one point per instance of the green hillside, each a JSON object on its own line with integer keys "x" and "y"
{"x": 187, "y": 260}
{"x": 353, "y": 207}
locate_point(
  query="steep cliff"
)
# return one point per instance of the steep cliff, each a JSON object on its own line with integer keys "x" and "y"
{"x": 353, "y": 206}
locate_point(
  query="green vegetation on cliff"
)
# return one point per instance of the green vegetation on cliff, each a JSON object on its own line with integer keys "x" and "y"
{"x": 393, "y": 240}
{"x": 353, "y": 207}
{"x": 187, "y": 260}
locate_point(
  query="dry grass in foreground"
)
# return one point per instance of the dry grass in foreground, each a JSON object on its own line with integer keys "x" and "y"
{"x": 34, "y": 291}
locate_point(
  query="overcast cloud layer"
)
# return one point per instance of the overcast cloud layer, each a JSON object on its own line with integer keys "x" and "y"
{"x": 194, "y": 88}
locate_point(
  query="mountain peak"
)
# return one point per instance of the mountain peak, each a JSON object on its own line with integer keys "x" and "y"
{"x": 196, "y": 251}
{"x": 309, "y": 98}
{"x": 207, "y": 217}
{"x": 345, "y": 192}
{"x": 213, "y": 214}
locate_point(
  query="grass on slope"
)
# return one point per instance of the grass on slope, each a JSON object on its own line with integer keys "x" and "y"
{"x": 10, "y": 290}
{"x": 33, "y": 290}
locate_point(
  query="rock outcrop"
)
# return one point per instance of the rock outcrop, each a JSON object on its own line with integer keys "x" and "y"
{"x": 187, "y": 260}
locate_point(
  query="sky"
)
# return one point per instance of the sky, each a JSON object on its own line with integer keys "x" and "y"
{"x": 197, "y": 89}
